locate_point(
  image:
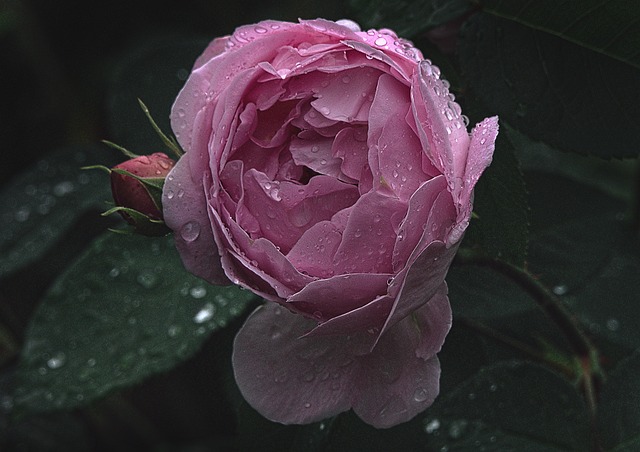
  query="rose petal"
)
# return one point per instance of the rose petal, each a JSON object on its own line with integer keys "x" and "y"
{"x": 369, "y": 238}
{"x": 415, "y": 223}
{"x": 296, "y": 379}
{"x": 289, "y": 379}
{"x": 185, "y": 211}
{"x": 313, "y": 252}
{"x": 328, "y": 298}
{"x": 423, "y": 279}
{"x": 346, "y": 97}
{"x": 395, "y": 382}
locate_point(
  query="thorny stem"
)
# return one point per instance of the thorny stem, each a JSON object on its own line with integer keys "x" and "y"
{"x": 587, "y": 354}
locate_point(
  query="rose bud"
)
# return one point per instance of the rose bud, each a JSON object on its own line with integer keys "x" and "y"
{"x": 330, "y": 171}
{"x": 136, "y": 185}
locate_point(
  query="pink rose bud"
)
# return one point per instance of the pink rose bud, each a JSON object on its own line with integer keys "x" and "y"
{"x": 136, "y": 185}
{"x": 330, "y": 171}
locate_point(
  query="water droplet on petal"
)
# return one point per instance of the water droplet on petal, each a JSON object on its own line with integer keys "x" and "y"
{"x": 420, "y": 395}
{"x": 380, "y": 42}
{"x": 432, "y": 426}
{"x": 190, "y": 231}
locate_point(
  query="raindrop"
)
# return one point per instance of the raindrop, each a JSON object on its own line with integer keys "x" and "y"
{"x": 198, "y": 292}
{"x": 260, "y": 30}
{"x": 173, "y": 330}
{"x": 147, "y": 279}
{"x": 114, "y": 272}
{"x": 57, "y": 361}
{"x": 63, "y": 188}
{"x": 346, "y": 79}
{"x": 307, "y": 405}
{"x": 380, "y": 42}
{"x": 560, "y": 289}
{"x": 613, "y": 324}
{"x": 190, "y": 231}
{"x": 170, "y": 194}
{"x": 457, "y": 429}
{"x": 420, "y": 395}
{"x": 432, "y": 426}
{"x": 205, "y": 314}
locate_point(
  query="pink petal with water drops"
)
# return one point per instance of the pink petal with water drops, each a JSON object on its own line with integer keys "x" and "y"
{"x": 347, "y": 97}
{"x": 369, "y": 237}
{"x": 288, "y": 378}
{"x": 314, "y": 151}
{"x": 419, "y": 281}
{"x": 441, "y": 127}
{"x": 185, "y": 211}
{"x": 415, "y": 223}
{"x": 395, "y": 383}
{"x": 313, "y": 252}
{"x": 483, "y": 139}
{"x": 328, "y": 298}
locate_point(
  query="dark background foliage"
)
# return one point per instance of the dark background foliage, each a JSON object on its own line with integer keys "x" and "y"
{"x": 107, "y": 344}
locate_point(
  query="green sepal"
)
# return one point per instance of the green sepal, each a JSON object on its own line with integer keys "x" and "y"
{"x": 142, "y": 223}
{"x": 169, "y": 142}
{"x": 153, "y": 185}
{"x": 100, "y": 167}
{"x": 117, "y": 147}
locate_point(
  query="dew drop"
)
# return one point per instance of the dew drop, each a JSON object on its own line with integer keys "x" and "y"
{"x": 420, "y": 395}
{"x": 613, "y": 324}
{"x": 205, "y": 314}
{"x": 260, "y": 30}
{"x": 57, "y": 361}
{"x": 380, "y": 42}
{"x": 198, "y": 292}
{"x": 190, "y": 231}
{"x": 432, "y": 426}
{"x": 560, "y": 289}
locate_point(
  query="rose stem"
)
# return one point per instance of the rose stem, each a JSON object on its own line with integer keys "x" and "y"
{"x": 517, "y": 345}
{"x": 553, "y": 308}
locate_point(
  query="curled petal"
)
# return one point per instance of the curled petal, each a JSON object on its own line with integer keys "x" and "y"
{"x": 185, "y": 211}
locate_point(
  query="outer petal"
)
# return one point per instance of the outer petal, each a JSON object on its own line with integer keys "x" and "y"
{"x": 185, "y": 211}
{"x": 397, "y": 381}
{"x": 287, "y": 378}
{"x": 297, "y": 380}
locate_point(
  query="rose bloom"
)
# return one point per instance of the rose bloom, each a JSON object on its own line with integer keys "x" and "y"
{"x": 329, "y": 171}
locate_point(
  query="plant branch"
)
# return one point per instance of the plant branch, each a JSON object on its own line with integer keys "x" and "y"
{"x": 545, "y": 299}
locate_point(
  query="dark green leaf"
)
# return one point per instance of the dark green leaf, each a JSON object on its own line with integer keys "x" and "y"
{"x": 38, "y": 207}
{"x": 608, "y": 303}
{"x": 573, "y": 230}
{"x": 608, "y": 27}
{"x": 619, "y": 409}
{"x": 154, "y": 72}
{"x": 502, "y": 226}
{"x": 552, "y": 90}
{"x": 507, "y": 405}
{"x": 125, "y": 310}
{"x": 408, "y": 18}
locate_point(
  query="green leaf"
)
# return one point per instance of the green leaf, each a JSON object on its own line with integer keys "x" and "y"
{"x": 125, "y": 310}
{"x": 153, "y": 71}
{"x": 608, "y": 303}
{"x": 619, "y": 409}
{"x": 574, "y": 229}
{"x": 408, "y": 18}
{"x": 507, "y": 405}
{"x": 39, "y": 205}
{"x": 555, "y": 91}
{"x": 501, "y": 228}
{"x": 609, "y": 27}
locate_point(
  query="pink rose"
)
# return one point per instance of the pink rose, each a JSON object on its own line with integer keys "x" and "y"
{"x": 329, "y": 171}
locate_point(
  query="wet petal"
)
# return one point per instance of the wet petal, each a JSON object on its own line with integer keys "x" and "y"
{"x": 395, "y": 383}
{"x": 328, "y": 298}
{"x": 185, "y": 211}
{"x": 287, "y": 378}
